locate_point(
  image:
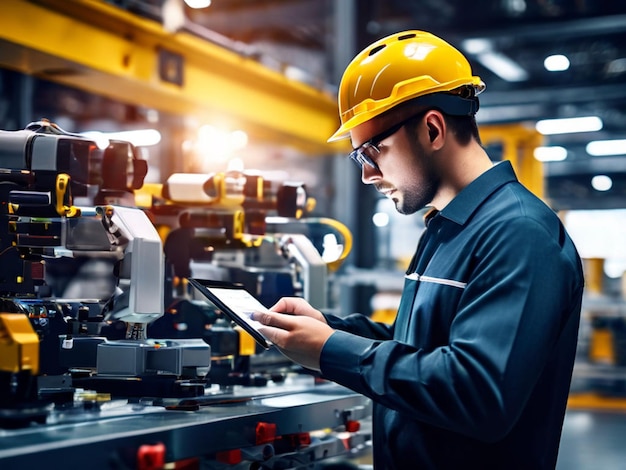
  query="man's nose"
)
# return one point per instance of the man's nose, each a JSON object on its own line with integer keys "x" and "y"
{"x": 369, "y": 174}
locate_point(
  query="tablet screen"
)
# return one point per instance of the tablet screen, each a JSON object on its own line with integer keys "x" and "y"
{"x": 236, "y": 302}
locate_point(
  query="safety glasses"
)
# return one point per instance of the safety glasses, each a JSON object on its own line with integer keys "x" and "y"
{"x": 364, "y": 153}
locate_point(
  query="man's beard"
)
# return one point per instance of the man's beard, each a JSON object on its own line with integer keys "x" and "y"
{"x": 417, "y": 198}
{"x": 418, "y": 195}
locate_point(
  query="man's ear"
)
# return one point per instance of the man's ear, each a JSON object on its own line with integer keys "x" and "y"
{"x": 433, "y": 132}
{"x": 436, "y": 126}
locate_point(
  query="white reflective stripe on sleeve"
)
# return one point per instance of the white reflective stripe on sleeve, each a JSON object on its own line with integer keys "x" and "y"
{"x": 436, "y": 280}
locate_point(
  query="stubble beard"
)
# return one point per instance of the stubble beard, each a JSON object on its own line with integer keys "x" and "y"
{"x": 419, "y": 193}
{"x": 416, "y": 199}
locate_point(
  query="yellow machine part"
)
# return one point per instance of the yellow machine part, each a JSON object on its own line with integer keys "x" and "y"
{"x": 247, "y": 345}
{"x": 601, "y": 339}
{"x": 346, "y": 235}
{"x": 518, "y": 145}
{"x": 145, "y": 195}
{"x": 387, "y": 316}
{"x": 601, "y": 350}
{"x": 19, "y": 344}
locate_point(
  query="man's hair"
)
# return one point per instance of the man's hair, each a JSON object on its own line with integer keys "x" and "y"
{"x": 463, "y": 127}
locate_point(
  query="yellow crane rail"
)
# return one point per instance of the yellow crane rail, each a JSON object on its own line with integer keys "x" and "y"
{"x": 100, "y": 48}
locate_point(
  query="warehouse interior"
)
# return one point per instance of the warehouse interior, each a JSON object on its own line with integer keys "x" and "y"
{"x": 237, "y": 86}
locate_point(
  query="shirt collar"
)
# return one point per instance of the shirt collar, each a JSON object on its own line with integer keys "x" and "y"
{"x": 474, "y": 194}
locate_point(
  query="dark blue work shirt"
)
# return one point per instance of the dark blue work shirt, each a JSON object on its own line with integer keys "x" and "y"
{"x": 475, "y": 370}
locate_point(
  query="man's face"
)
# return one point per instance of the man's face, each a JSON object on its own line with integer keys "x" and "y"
{"x": 404, "y": 168}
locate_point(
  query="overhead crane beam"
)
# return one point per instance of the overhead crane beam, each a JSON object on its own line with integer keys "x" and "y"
{"x": 97, "y": 47}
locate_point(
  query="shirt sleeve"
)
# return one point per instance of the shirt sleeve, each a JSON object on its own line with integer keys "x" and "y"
{"x": 360, "y": 325}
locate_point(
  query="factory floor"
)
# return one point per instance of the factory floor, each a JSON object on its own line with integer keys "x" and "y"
{"x": 595, "y": 421}
{"x": 593, "y": 439}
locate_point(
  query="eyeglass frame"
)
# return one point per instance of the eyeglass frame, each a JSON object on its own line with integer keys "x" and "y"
{"x": 359, "y": 156}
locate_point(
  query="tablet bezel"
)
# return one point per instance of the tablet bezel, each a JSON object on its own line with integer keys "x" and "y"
{"x": 203, "y": 286}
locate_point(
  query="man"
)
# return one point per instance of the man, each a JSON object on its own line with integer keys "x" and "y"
{"x": 475, "y": 370}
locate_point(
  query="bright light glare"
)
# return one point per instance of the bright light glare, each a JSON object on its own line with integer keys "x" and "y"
{"x": 380, "y": 219}
{"x": 556, "y": 63}
{"x": 218, "y": 142}
{"x": 615, "y": 268}
{"x": 197, "y": 4}
{"x": 500, "y": 64}
{"x": 295, "y": 73}
{"x": 417, "y": 52}
{"x": 239, "y": 139}
{"x": 550, "y": 154}
{"x": 138, "y": 137}
{"x": 601, "y": 148}
{"x": 601, "y": 183}
{"x": 476, "y": 45}
{"x": 235, "y": 164}
{"x": 101, "y": 140}
{"x": 332, "y": 248}
{"x": 581, "y": 423}
{"x": 503, "y": 66}
{"x": 569, "y": 125}
{"x": 598, "y": 233}
{"x": 617, "y": 66}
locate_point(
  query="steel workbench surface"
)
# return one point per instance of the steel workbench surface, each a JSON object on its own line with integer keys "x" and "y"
{"x": 110, "y": 435}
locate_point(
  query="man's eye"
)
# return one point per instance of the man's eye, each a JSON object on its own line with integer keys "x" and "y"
{"x": 371, "y": 150}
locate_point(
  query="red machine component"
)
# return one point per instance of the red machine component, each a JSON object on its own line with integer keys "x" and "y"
{"x": 230, "y": 457}
{"x": 352, "y": 426}
{"x": 265, "y": 433}
{"x": 151, "y": 457}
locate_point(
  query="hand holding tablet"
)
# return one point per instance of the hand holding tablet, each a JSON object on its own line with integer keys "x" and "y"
{"x": 236, "y": 303}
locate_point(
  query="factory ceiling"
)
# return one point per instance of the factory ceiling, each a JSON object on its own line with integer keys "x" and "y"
{"x": 506, "y": 41}
{"x": 518, "y": 34}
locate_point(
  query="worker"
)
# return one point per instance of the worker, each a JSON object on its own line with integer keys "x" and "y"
{"x": 475, "y": 370}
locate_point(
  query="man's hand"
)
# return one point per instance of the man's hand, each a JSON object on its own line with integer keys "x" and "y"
{"x": 299, "y": 332}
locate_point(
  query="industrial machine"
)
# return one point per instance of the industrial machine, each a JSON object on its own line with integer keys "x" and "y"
{"x": 98, "y": 325}
{"x": 240, "y": 227}
{"x": 45, "y": 171}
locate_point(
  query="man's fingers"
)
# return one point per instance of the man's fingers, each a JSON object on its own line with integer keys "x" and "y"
{"x": 277, "y": 320}
{"x": 276, "y": 335}
{"x": 274, "y": 328}
{"x": 286, "y": 305}
{"x": 297, "y": 306}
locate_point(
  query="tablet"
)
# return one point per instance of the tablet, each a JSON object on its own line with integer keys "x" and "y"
{"x": 236, "y": 303}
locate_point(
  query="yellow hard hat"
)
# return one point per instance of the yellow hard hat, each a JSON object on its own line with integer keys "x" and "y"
{"x": 398, "y": 68}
